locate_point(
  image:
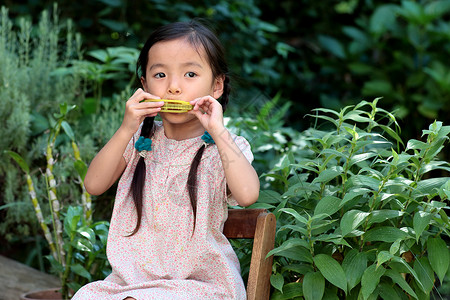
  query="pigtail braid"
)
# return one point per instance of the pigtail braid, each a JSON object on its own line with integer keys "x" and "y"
{"x": 226, "y": 93}
{"x": 138, "y": 182}
{"x": 192, "y": 180}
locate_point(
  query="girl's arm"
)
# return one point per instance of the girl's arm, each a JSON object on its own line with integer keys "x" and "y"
{"x": 241, "y": 177}
{"x": 109, "y": 163}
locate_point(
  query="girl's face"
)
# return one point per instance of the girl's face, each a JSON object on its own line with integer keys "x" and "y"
{"x": 177, "y": 71}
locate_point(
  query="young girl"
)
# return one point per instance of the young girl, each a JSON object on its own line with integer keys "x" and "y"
{"x": 177, "y": 177}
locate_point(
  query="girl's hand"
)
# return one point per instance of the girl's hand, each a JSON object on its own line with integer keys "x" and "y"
{"x": 209, "y": 111}
{"x": 136, "y": 110}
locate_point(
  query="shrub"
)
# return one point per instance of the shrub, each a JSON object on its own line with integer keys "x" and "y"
{"x": 358, "y": 216}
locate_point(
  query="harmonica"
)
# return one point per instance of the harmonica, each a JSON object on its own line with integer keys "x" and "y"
{"x": 173, "y": 106}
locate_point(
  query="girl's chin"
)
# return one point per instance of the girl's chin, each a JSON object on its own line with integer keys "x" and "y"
{"x": 177, "y": 117}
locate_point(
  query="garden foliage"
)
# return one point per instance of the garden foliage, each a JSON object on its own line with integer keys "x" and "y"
{"x": 360, "y": 213}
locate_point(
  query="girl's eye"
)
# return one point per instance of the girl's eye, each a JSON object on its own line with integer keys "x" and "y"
{"x": 190, "y": 74}
{"x": 160, "y": 75}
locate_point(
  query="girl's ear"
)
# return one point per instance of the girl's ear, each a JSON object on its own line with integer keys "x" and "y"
{"x": 218, "y": 86}
{"x": 144, "y": 83}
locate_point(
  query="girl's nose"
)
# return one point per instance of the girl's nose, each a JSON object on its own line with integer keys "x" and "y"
{"x": 174, "y": 90}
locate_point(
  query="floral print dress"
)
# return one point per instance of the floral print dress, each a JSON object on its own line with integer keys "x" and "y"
{"x": 168, "y": 258}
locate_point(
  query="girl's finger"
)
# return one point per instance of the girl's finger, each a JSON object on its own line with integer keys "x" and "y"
{"x": 141, "y": 95}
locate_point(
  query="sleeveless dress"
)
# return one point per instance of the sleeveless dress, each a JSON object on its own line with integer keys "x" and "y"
{"x": 167, "y": 258}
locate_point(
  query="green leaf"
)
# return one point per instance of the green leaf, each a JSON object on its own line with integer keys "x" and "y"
{"x": 87, "y": 233}
{"x": 398, "y": 279}
{"x": 269, "y": 196}
{"x": 370, "y": 279}
{"x": 80, "y": 270}
{"x": 327, "y": 205}
{"x": 298, "y": 268}
{"x": 277, "y": 281}
{"x": 415, "y": 144}
{"x": 19, "y": 160}
{"x": 68, "y": 130}
{"x": 71, "y": 219}
{"x": 425, "y": 273}
{"x": 361, "y": 157}
{"x": 100, "y": 54}
{"x": 328, "y": 175}
{"x": 430, "y": 186}
{"x": 384, "y": 234}
{"x": 354, "y": 265}
{"x": 439, "y": 257}
{"x": 332, "y": 45}
{"x": 354, "y": 193}
{"x": 411, "y": 270}
{"x": 383, "y": 18}
{"x": 395, "y": 247}
{"x": 364, "y": 181}
{"x": 382, "y": 257}
{"x": 295, "y": 252}
{"x": 351, "y": 220}
{"x": 379, "y": 216}
{"x": 291, "y": 290}
{"x": 387, "y": 292}
{"x": 81, "y": 168}
{"x": 296, "y": 215}
{"x": 420, "y": 222}
{"x": 313, "y": 286}
{"x": 289, "y": 243}
{"x": 83, "y": 245}
{"x": 331, "y": 270}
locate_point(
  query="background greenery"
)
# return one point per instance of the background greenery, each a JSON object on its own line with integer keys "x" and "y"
{"x": 287, "y": 58}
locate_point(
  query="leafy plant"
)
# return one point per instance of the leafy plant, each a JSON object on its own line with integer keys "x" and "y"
{"x": 31, "y": 92}
{"x": 72, "y": 239}
{"x": 358, "y": 216}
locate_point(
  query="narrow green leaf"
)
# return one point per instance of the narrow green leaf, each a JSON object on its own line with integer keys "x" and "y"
{"x": 80, "y": 270}
{"x": 420, "y": 222}
{"x": 395, "y": 247}
{"x": 296, "y": 215}
{"x": 354, "y": 265}
{"x": 68, "y": 130}
{"x": 351, "y": 220}
{"x": 277, "y": 281}
{"x": 289, "y": 243}
{"x": 439, "y": 257}
{"x": 313, "y": 286}
{"x": 81, "y": 168}
{"x": 331, "y": 270}
{"x": 411, "y": 270}
{"x": 425, "y": 273}
{"x": 371, "y": 279}
{"x": 19, "y": 160}
{"x": 398, "y": 279}
{"x": 332, "y": 45}
{"x": 298, "y": 253}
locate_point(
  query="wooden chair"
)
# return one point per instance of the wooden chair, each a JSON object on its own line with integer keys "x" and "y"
{"x": 259, "y": 225}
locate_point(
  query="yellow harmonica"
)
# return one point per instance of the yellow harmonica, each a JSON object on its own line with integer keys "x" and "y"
{"x": 173, "y": 106}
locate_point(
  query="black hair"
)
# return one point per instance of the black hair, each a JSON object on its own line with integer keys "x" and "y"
{"x": 200, "y": 37}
